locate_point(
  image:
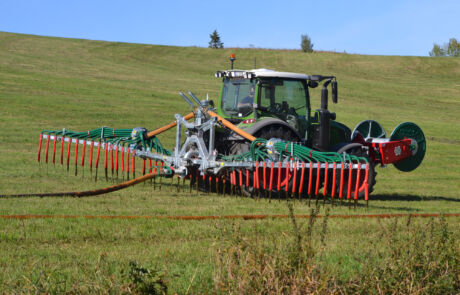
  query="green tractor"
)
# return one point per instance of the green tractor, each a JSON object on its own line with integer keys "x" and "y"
{"x": 276, "y": 106}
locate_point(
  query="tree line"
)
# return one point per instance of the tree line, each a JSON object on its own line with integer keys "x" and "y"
{"x": 452, "y": 48}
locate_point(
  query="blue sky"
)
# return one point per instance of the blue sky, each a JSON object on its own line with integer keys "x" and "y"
{"x": 366, "y": 27}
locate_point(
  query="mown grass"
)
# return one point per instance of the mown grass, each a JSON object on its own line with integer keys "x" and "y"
{"x": 51, "y": 83}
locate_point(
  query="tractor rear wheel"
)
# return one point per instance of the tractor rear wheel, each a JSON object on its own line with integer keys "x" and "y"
{"x": 271, "y": 131}
{"x": 355, "y": 150}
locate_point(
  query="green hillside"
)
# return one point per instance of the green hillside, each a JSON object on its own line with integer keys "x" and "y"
{"x": 52, "y": 83}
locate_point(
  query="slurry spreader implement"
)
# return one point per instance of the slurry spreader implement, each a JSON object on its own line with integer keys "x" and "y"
{"x": 260, "y": 139}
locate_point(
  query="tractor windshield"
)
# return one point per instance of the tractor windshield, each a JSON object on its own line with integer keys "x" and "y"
{"x": 283, "y": 97}
{"x": 238, "y": 97}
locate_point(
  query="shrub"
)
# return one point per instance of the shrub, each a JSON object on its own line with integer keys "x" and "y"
{"x": 448, "y": 49}
{"x": 146, "y": 281}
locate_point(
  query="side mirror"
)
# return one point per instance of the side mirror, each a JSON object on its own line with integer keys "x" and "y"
{"x": 334, "y": 91}
{"x": 312, "y": 84}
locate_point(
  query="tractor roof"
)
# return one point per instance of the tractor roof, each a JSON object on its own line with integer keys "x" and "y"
{"x": 262, "y": 73}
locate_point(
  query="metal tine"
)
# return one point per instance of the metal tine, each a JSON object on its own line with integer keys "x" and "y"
{"x": 223, "y": 183}
{"x": 143, "y": 168}
{"x": 334, "y": 176}
{"x": 302, "y": 175}
{"x": 116, "y": 160}
{"x": 264, "y": 174}
{"x": 254, "y": 181}
{"x": 39, "y": 147}
{"x": 242, "y": 182}
{"x": 366, "y": 181}
{"x": 69, "y": 146}
{"x": 235, "y": 183}
{"x": 270, "y": 186}
{"x": 197, "y": 179}
{"x": 83, "y": 159}
{"x": 97, "y": 159}
{"x": 210, "y": 178}
{"x": 47, "y": 147}
{"x": 190, "y": 184}
{"x": 310, "y": 180}
{"x": 155, "y": 170}
{"x": 294, "y": 181}
{"x": 231, "y": 183}
{"x": 46, "y": 152}
{"x": 150, "y": 171}
{"x": 54, "y": 150}
{"x": 122, "y": 162}
{"x": 127, "y": 162}
{"x": 206, "y": 182}
{"x": 106, "y": 150}
{"x": 342, "y": 171}
{"x": 62, "y": 150}
{"x": 111, "y": 160}
{"x": 160, "y": 172}
{"x": 76, "y": 156}
{"x": 91, "y": 150}
{"x": 278, "y": 187}
{"x": 246, "y": 185}
{"x": 358, "y": 176}
{"x": 318, "y": 177}
{"x": 325, "y": 182}
{"x": 133, "y": 166}
{"x": 350, "y": 175}
{"x": 286, "y": 188}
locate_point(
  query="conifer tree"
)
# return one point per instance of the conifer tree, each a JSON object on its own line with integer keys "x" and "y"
{"x": 215, "y": 41}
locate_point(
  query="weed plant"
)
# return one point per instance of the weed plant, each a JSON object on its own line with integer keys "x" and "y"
{"x": 414, "y": 259}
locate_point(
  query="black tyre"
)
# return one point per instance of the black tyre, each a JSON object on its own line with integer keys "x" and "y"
{"x": 270, "y": 131}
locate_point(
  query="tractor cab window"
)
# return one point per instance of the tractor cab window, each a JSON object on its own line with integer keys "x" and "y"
{"x": 284, "y": 97}
{"x": 238, "y": 97}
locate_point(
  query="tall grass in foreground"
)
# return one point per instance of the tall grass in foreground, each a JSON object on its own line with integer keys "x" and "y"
{"x": 423, "y": 259}
{"x": 395, "y": 256}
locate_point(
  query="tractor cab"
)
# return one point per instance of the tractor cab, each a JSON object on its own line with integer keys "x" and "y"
{"x": 248, "y": 97}
{"x": 259, "y": 99}
{"x": 275, "y": 93}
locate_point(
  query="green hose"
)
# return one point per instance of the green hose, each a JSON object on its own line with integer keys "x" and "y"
{"x": 119, "y": 137}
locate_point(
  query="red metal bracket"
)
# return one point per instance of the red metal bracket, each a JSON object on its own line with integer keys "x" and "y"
{"x": 394, "y": 151}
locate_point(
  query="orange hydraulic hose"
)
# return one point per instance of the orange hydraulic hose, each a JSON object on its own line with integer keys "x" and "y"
{"x": 213, "y": 217}
{"x": 212, "y": 114}
{"x": 169, "y": 126}
{"x": 232, "y": 127}
{"x": 89, "y": 193}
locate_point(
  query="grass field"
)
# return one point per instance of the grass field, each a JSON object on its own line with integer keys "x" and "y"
{"x": 52, "y": 83}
